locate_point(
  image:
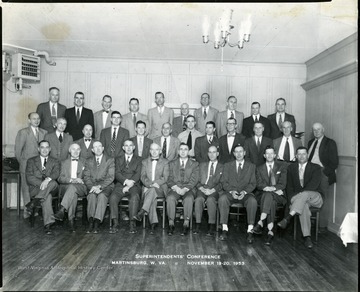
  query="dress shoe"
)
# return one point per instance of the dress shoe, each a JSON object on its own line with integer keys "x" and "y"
{"x": 223, "y": 235}
{"x": 257, "y": 229}
{"x": 184, "y": 230}
{"x": 211, "y": 230}
{"x": 30, "y": 207}
{"x": 91, "y": 225}
{"x": 139, "y": 215}
{"x": 171, "y": 230}
{"x": 114, "y": 229}
{"x": 47, "y": 229}
{"x": 152, "y": 230}
{"x": 71, "y": 225}
{"x": 132, "y": 227}
{"x": 283, "y": 223}
{"x": 308, "y": 243}
{"x": 60, "y": 214}
{"x": 269, "y": 239}
{"x": 96, "y": 226}
{"x": 250, "y": 237}
{"x": 124, "y": 217}
{"x": 197, "y": 229}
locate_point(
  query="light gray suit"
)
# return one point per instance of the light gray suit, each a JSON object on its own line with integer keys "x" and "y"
{"x": 173, "y": 147}
{"x": 222, "y": 119}
{"x": 128, "y": 123}
{"x": 59, "y": 150}
{"x": 212, "y": 114}
{"x": 156, "y": 120}
{"x": 98, "y": 123}
{"x": 277, "y": 142}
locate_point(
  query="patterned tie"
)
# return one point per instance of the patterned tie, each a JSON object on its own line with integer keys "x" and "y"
{"x": 78, "y": 115}
{"x": 232, "y": 115}
{"x": 189, "y": 141}
{"x": 280, "y": 122}
{"x": 44, "y": 169}
{"x": 182, "y": 170}
{"x": 53, "y": 111}
{"x": 134, "y": 120}
{"x": 287, "y": 151}
{"x": 258, "y": 144}
{"x": 184, "y": 123}
{"x": 60, "y": 138}
{"x": 205, "y": 114}
{"x": 210, "y": 140}
{"x": 127, "y": 162}
{"x": 164, "y": 148}
{"x": 313, "y": 150}
{"x": 97, "y": 162}
{"x": 301, "y": 175}
{"x": 113, "y": 140}
{"x": 209, "y": 181}
{"x": 272, "y": 176}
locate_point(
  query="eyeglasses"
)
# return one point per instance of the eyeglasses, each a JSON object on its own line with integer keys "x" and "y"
{"x": 231, "y": 123}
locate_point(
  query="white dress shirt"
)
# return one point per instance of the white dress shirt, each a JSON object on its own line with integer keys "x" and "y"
{"x": 282, "y": 148}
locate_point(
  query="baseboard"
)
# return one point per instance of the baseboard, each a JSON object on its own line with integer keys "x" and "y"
{"x": 334, "y": 228}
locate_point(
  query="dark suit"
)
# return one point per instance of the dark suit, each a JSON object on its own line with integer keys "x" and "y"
{"x": 269, "y": 200}
{"x": 233, "y": 181}
{"x": 202, "y": 146}
{"x": 248, "y": 126}
{"x": 212, "y": 183}
{"x": 59, "y": 150}
{"x": 178, "y": 126}
{"x": 224, "y": 154}
{"x": 275, "y": 131}
{"x": 46, "y": 122}
{"x": 252, "y": 153}
{"x": 221, "y": 121}
{"x": 102, "y": 175}
{"x": 106, "y": 137}
{"x": 146, "y": 147}
{"x": 85, "y": 152}
{"x": 35, "y": 177}
{"x": 73, "y": 127}
{"x": 295, "y": 142}
{"x": 199, "y": 118}
{"x": 122, "y": 173}
{"x": 190, "y": 179}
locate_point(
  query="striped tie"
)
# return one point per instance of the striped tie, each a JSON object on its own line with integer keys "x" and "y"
{"x": 113, "y": 140}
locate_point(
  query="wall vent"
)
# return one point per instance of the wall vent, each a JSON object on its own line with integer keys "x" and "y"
{"x": 26, "y": 67}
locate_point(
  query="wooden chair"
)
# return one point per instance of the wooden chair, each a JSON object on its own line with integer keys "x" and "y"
{"x": 240, "y": 211}
{"x": 160, "y": 206}
{"x": 180, "y": 207}
{"x": 315, "y": 215}
{"x": 123, "y": 204}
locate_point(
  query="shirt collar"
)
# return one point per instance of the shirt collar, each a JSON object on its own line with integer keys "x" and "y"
{"x": 304, "y": 165}
{"x": 58, "y": 133}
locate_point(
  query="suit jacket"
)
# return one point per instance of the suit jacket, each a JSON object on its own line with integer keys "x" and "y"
{"x": 98, "y": 123}
{"x": 103, "y": 175}
{"x": 328, "y": 156}
{"x": 312, "y": 179}
{"x": 232, "y": 181}
{"x": 277, "y": 142}
{"x": 133, "y": 171}
{"x": 248, "y": 126}
{"x": 201, "y": 122}
{"x": 263, "y": 179}
{"x": 128, "y": 124}
{"x": 224, "y": 155}
{"x": 26, "y": 145}
{"x": 73, "y": 127}
{"x": 177, "y": 126}
{"x": 252, "y": 153}
{"x": 275, "y": 132}
{"x": 46, "y": 123}
{"x": 59, "y": 150}
{"x": 146, "y": 147}
{"x": 202, "y": 146}
{"x": 191, "y": 175}
{"x": 173, "y": 147}
{"x": 222, "y": 120}
{"x": 156, "y": 120}
{"x": 85, "y": 152}
{"x": 105, "y": 139}
{"x": 161, "y": 173}
{"x": 65, "y": 171}
{"x": 34, "y": 175}
{"x": 215, "y": 181}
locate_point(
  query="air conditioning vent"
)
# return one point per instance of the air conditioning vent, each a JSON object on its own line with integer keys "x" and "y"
{"x": 26, "y": 67}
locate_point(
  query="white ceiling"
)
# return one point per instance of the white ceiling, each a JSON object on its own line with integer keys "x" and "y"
{"x": 281, "y": 32}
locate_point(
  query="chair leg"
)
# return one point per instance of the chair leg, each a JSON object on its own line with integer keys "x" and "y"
{"x": 163, "y": 217}
{"x": 144, "y": 221}
{"x": 317, "y": 225}
{"x": 295, "y": 226}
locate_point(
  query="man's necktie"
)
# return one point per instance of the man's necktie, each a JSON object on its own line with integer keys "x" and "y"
{"x": 140, "y": 146}
{"x": 37, "y": 134}
{"x": 182, "y": 170}
{"x": 239, "y": 168}
{"x": 256, "y": 119}
{"x": 60, "y": 138}
{"x": 184, "y": 123}
{"x": 87, "y": 140}
{"x": 209, "y": 181}
{"x": 97, "y": 162}
{"x": 113, "y": 140}
{"x": 127, "y": 162}
{"x": 189, "y": 141}
{"x": 280, "y": 121}
{"x": 44, "y": 169}
{"x": 301, "y": 175}
{"x": 134, "y": 120}
{"x": 44, "y": 165}
{"x": 210, "y": 140}
{"x": 74, "y": 159}
{"x": 205, "y": 114}
{"x": 287, "y": 151}
{"x": 106, "y": 111}
{"x": 212, "y": 169}
{"x": 313, "y": 150}
{"x": 232, "y": 115}
{"x": 164, "y": 148}
{"x": 272, "y": 179}
{"x": 154, "y": 159}
{"x": 258, "y": 144}
{"x": 53, "y": 111}
{"x": 78, "y": 115}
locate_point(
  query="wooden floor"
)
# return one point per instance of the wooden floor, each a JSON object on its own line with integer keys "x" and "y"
{"x": 78, "y": 261}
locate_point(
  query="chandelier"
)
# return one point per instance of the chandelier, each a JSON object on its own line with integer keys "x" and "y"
{"x": 222, "y": 30}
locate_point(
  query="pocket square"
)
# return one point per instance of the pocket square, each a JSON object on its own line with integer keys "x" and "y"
{"x": 278, "y": 172}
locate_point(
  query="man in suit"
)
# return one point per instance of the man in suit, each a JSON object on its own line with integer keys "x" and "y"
{"x": 42, "y": 171}
{"x": 228, "y": 142}
{"x": 78, "y": 116}
{"x": 238, "y": 181}
{"x": 99, "y": 174}
{"x": 179, "y": 124}
{"x": 248, "y": 126}
{"x": 113, "y": 138}
{"x": 86, "y": 143}
{"x": 323, "y": 152}
{"x": 279, "y": 117}
{"x": 168, "y": 143}
{"x": 130, "y": 119}
{"x": 127, "y": 176}
{"x": 102, "y": 118}
{"x": 286, "y": 146}
{"x": 183, "y": 177}
{"x": 203, "y": 143}
{"x": 271, "y": 183}
{"x": 26, "y": 146}
{"x": 154, "y": 176}
{"x": 208, "y": 189}
{"x": 256, "y": 145}
{"x": 303, "y": 191}
{"x": 190, "y": 135}
{"x": 50, "y": 111}
{"x": 59, "y": 141}
{"x": 159, "y": 115}
{"x": 71, "y": 184}
{"x": 141, "y": 143}
{"x": 204, "y": 114}
{"x": 231, "y": 112}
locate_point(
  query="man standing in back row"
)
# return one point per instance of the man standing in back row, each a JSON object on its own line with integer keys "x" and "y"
{"x": 231, "y": 112}
{"x": 205, "y": 114}
{"x": 279, "y": 117}
{"x": 130, "y": 119}
{"x": 102, "y": 118}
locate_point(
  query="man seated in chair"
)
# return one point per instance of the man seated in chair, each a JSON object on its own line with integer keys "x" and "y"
{"x": 42, "y": 171}
{"x": 154, "y": 176}
{"x": 303, "y": 191}
{"x": 238, "y": 181}
{"x": 127, "y": 175}
{"x": 271, "y": 183}
{"x": 183, "y": 177}
{"x": 99, "y": 174}
{"x": 208, "y": 189}
{"x": 71, "y": 184}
